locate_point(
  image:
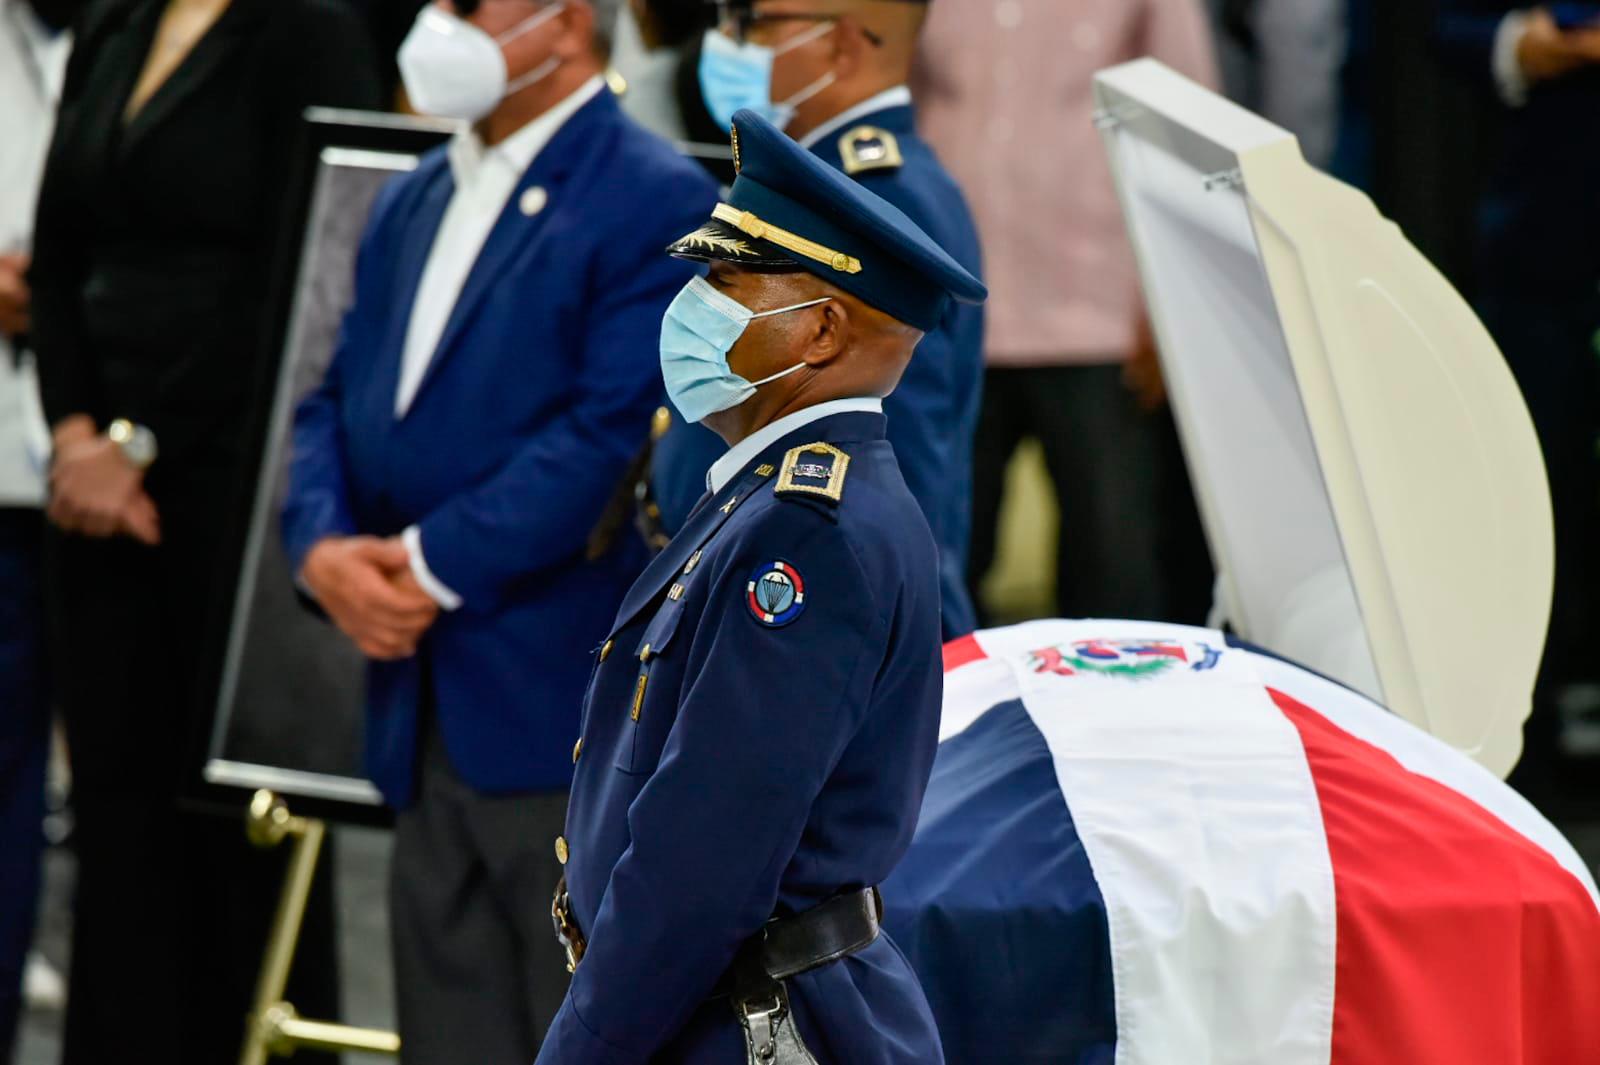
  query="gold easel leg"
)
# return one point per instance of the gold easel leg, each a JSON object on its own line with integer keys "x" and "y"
{"x": 273, "y": 1027}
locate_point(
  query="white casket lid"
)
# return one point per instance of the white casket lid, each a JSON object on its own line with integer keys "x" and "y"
{"x": 1366, "y": 469}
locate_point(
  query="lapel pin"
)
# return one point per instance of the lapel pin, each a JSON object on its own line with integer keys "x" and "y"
{"x": 533, "y": 200}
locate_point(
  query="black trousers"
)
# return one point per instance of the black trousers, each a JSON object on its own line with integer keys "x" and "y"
{"x": 1553, "y": 348}
{"x": 479, "y": 975}
{"x": 172, "y": 905}
{"x": 1131, "y": 544}
{"x": 24, "y": 747}
{"x": 1552, "y": 344}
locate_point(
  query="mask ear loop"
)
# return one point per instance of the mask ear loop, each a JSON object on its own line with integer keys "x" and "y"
{"x": 538, "y": 18}
{"x": 820, "y": 85}
{"x": 780, "y": 373}
{"x": 538, "y": 73}
{"x": 543, "y": 70}
{"x": 822, "y": 29}
{"x": 786, "y": 310}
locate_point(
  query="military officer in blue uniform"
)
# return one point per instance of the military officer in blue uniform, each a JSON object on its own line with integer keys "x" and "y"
{"x": 762, "y": 718}
{"x": 860, "y": 121}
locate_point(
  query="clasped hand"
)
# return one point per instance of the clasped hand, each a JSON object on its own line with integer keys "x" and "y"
{"x": 95, "y": 490}
{"x": 1547, "y": 51}
{"x": 366, "y": 586}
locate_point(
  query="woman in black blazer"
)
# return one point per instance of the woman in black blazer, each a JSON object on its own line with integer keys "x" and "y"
{"x": 159, "y": 219}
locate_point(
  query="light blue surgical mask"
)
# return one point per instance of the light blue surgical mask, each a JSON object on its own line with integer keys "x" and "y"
{"x": 699, "y": 329}
{"x": 734, "y": 76}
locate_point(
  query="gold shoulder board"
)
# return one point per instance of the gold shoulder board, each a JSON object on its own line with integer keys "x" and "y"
{"x": 867, "y": 148}
{"x": 815, "y": 470}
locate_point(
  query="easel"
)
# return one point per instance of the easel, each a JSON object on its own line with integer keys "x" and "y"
{"x": 273, "y": 1028}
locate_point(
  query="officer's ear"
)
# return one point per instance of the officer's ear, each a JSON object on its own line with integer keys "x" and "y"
{"x": 829, "y": 333}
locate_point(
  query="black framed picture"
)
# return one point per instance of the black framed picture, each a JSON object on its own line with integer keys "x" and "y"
{"x": 289, "y": 686}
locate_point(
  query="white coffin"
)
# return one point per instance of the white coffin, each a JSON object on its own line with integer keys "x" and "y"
{"x": 1366, "y": 469}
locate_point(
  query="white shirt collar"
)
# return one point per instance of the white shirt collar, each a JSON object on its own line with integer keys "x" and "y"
{"x": 518, "y": 151}
{"x": 744, "y": 452}
{"x": 899, "y": 96}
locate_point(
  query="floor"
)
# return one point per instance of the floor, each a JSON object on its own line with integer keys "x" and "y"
{"x": 363, "y": 859}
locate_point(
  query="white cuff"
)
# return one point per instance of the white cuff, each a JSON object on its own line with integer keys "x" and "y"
{"x": 1508, "y": 74}
{"x": 441, "y": 592}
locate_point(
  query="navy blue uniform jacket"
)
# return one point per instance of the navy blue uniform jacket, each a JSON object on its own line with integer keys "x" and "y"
{"x": 767, "y": 768}
{"x": 538, "y": 396}
{"x": 1540, "y": 221}
{"x": 933, "y": 414}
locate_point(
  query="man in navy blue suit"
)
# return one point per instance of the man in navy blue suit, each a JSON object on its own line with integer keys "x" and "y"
{"x": 845, "y": 66}
{"x": 762, "y": 718}
{"x": 492, "y": 382}
{"x": 1539, "y": 292}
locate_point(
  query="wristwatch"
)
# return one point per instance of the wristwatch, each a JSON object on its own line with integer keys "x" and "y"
{"x": 138, "y": 443}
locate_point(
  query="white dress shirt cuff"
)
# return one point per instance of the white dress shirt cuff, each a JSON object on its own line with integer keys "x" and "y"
{"x": 1508, "y": 75}
{"x": 441, "y": 592}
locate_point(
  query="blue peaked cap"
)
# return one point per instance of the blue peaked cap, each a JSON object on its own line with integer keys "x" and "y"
{"x": 790, "y": 210}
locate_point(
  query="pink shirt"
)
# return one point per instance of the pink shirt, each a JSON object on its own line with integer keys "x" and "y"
{"x": 1003, "y": 94}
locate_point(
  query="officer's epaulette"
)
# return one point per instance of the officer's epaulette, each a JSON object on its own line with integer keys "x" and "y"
{"x": 813, "y": 471}
{"x": 867, "y": 148}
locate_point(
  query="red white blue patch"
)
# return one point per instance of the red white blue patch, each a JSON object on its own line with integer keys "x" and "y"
{"x": 776, "y": 594}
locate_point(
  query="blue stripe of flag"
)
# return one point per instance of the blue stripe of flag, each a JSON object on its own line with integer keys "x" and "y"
{"x": 997, "y": 909}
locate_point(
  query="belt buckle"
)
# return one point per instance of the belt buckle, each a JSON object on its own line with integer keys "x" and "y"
{"x": 567, "y": 933}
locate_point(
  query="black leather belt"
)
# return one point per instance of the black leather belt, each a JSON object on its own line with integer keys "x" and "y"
{"x": 788, "y": 946}
{"x": 785, "y": 946}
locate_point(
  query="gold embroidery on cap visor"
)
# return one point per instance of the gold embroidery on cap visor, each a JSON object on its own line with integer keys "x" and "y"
{"x": 749, "y": 224}
{"x": 709, "y": 239}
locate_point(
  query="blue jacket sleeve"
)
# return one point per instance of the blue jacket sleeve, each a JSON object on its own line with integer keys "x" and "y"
{"x": 317, "y": 502}
{"x": 1464, "y": 34}
{"x": 717, "y": 825}
{"x": 539, "y": 508}
{"x": 932, "y": 449}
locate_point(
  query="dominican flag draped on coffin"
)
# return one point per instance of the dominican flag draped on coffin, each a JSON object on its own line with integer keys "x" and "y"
{"x": 1146, "y": 845}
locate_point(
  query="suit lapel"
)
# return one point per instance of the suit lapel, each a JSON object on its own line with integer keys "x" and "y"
{"x": 419, "y": 231}
{"x": 214, "y": 48}
{"x": 514, "y": 231}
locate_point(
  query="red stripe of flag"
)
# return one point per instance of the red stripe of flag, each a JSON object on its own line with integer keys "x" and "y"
{"x": 959, "y": 652}
{"x": 1460, "y": 941}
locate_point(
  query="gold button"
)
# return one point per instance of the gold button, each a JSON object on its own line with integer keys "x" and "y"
{"x": 606, "y": 649}
{"x": 577, "y": 749}
{"x": 561, "y": 849}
